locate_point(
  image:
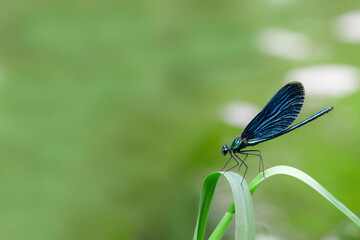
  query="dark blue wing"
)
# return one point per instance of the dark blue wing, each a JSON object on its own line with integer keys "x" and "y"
{"x": 278, "y": 114}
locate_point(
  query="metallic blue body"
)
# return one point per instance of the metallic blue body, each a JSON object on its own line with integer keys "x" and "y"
{"x": 315, "y": 116}
{"x": 276, "y": 117}
{"x": 271, "y": 122}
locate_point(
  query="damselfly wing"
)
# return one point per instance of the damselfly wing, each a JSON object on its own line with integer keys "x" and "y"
{"x": 271, "y": 122}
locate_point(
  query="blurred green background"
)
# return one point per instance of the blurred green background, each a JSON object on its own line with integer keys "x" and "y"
{"x": 111, "y": 116}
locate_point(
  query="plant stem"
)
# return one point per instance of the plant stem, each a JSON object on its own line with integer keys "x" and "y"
{"x": 220, "y": 229}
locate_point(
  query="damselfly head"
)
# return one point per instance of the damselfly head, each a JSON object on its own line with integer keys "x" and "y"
{"x": 224, "y": 150}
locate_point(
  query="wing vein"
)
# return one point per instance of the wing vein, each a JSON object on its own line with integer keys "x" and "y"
{"x": 279, "y": 113}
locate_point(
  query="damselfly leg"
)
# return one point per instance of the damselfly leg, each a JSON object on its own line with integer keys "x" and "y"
{"x": 227, "y": 163}
{"x": 261, "y": 163}
{"x": 242, "y": 162}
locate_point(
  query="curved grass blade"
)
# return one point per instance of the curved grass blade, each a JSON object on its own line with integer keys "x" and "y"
{"x": 245, "y": 227}
{"x": 244, "y": 222}
{"x": 286, "y": 170}
{"x": 206, "y": 197}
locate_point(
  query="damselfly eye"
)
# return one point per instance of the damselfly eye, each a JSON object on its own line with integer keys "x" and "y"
{"x": 224, "y": 150}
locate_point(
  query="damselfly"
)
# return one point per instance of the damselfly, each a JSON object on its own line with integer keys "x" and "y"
{"x": 273, "y": 121}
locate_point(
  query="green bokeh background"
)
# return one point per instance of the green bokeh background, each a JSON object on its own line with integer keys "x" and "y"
{"x": 110, "y": 118}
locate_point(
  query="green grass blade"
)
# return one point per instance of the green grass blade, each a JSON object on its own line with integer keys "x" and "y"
{"x": 223, "y": 224}
{"x": 244, "y": 222}
{"x": 245, "y": 228}
{"x": 206, "y": 197}
{"x": 299, "y": 175}
{"x": 286, "y": 170}
{"x": 244, "y": 225}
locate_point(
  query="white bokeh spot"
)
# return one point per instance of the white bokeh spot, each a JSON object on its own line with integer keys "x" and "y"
{"x": 335, "y": 80}
{"x": 239, "y": 114}
{"x": 347, "y": 27}
{"x": 285, "y": 44}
